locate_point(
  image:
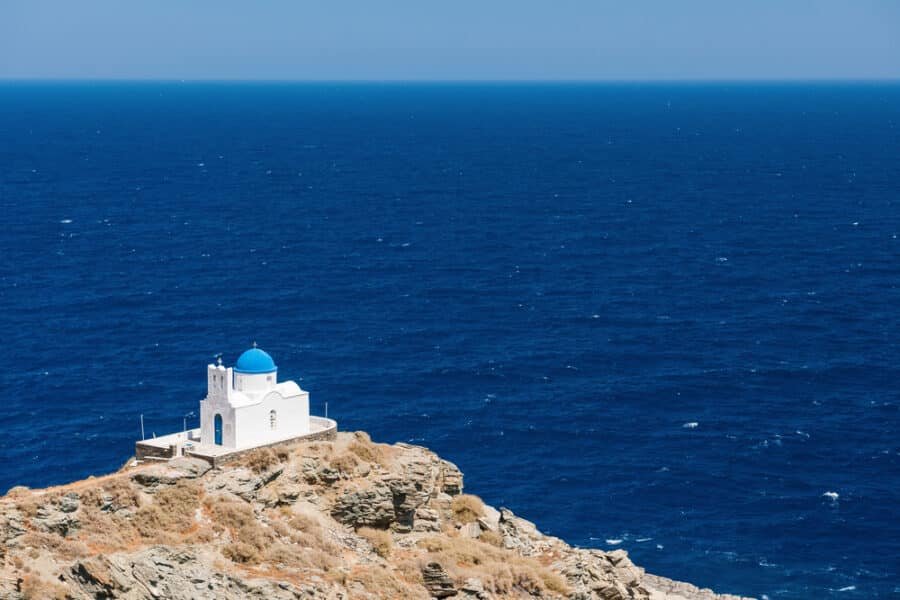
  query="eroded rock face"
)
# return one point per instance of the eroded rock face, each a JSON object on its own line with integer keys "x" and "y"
{"x": 165, "y": 573}
{"x": 330, "y": 520}
{"x": 595, "y": 574}
{"x": 369, "y": 507}
{"x": 241, "y": 481}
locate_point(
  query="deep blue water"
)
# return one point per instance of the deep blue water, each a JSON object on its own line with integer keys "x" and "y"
{"x": 543, "y": 283}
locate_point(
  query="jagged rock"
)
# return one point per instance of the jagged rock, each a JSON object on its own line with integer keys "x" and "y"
{"x": 406, "y": 495}
{"x": 170, "y": 472}
{"x": 160, "y": 572}
{"x": 327, "y": 475}
{"x": 372, "y": 507}
{"x": 522, "y": 536}
{"x": 391, "y": 501}
{"x": 12, "y": 525}
{"x": 490, "y": 521}
{"x": 69, "y": 502}
{"x": 473, "y": 588}
{"x": 427, "y": 519}
{"x": 662, "y": 588}
{"x": 243, "y": 482}
{"x": 100, "y": 577}
{"x": 595, "y": 574}
{"x": 451, "y": 477}
{"x": 53, "y": 520}
{"x": 437, "y": 582}
{"x": 279, "y": 495}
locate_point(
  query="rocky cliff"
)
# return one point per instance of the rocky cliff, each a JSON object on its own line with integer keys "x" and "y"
{"x": 334, "y": 520}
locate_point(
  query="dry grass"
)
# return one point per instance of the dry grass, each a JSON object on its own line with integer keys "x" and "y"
{"x": 117, "y": 492}
{"x": 365, "y": 449}
{"x": 171, "y": 514}
{"x": 249, "y": 538}
{"x": 265, "y": 458}
{"x": 501, "y": 572}
{"x": 103, "y": 528}
{"x": 345, "y": 463}
{"x": 241, "y": 552}
{"x": 65, "y": 548}
{"x": 29, "y": 502}
{"x": 491, "y": 537}
{"x": 304, "y": 523}
{"x": 378, "y": 582}
{"x": 467, "y": 508}
{"x": 296, "y": 541}
{"x": 379, "y": 538}
{"x": 104, "y": 532}
{"x": 35, "y": 588}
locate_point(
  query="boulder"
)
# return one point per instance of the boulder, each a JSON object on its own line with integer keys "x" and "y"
{"x": 437, "y": 582}
{"x": 593, "y": 574}
{"x": 427, "y": 519}
{"x": 474, "y": 589}
{"x": 70, "y": 502}
{"x": 490, "y": 520}
{"x": 52, "y": 520}
{"x": 243, "y": 482}
{"x": 170, "y": 472}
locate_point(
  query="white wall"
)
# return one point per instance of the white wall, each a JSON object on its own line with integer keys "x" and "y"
{"x": 209, "y": 408}
{"x": 253, "y": 422}
{"x": 254, "y": 382}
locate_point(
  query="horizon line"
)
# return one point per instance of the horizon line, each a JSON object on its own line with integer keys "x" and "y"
{"x": 647, "y": 80}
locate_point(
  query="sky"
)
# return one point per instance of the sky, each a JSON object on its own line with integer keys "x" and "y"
{"x": 450, "y": 40}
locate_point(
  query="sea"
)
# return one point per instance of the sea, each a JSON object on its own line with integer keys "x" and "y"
{"x": 661, "y": 317}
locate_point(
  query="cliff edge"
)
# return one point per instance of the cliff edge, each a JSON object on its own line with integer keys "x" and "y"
{"x": 343, "y": 519}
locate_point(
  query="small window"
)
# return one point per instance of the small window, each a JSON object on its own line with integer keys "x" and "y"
{"x": 273, "y": 418}
{"x": 269, "y": 378}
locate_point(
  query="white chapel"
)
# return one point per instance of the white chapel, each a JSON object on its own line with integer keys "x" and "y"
{"x": 247, "y": 406}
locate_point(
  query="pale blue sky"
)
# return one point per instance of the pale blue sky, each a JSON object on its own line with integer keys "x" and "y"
{"x": 449, "y": 40}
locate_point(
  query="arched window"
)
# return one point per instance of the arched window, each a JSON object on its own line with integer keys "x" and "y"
{"x": 273, "y": 418}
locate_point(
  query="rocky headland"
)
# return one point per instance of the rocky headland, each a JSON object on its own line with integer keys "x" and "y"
{"x": 341, "y": 519}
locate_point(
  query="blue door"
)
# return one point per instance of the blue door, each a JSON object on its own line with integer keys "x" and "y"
{"x": 217, "y": 425}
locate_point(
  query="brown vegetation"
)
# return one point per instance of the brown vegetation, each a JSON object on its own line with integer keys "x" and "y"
{"x": 501, "y": 572}
{"x": 491, "y": 537}
{"x": 378, "y": 582}
{"x": 266, "y": 458}
{"x": 36, "y": 588}
{"x": 365, "y": 449}
{"x": 170, "y": 514}
{"x": 248, "y": 538}
{"x": 345, "y": 463}
{"x": 467, "y": 508}
{"x": 68, "y": 549}
{"x": 379, "y": 538}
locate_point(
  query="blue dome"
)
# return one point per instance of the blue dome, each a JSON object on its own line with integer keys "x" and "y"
{"x": 255, "y": 360}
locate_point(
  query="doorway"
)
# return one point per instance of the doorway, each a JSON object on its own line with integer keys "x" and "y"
{"x": 217, "y": 427}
